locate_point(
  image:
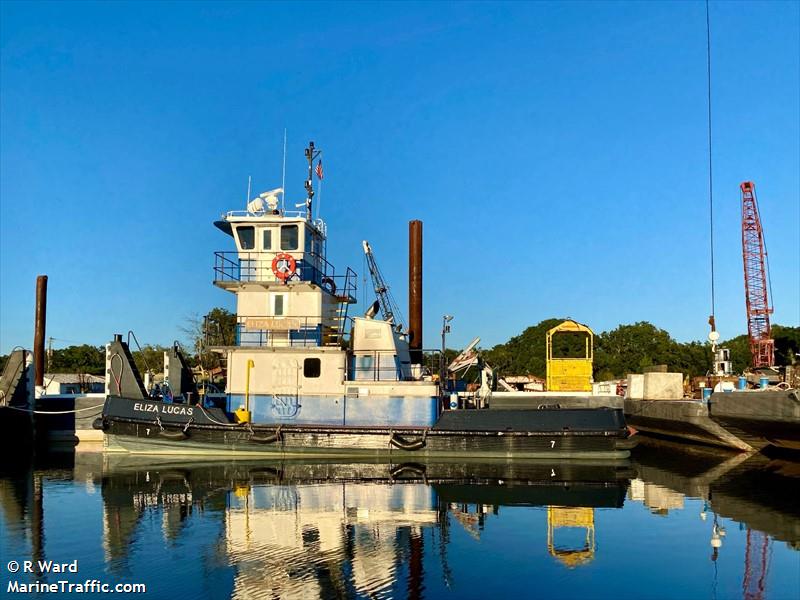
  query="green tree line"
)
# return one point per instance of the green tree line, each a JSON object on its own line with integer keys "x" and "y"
{"x": 217, "y": 328}
{"x": 630, "y": 349}
{"x": 626, "y": 349}
{"x": 91, "y": 360}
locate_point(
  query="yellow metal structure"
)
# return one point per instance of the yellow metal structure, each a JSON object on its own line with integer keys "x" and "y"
{"x": 570, "y": 374}
{"x": 558, "y": 517}
{"x": 242, "y": 415}
{"x": 243, "y": 412}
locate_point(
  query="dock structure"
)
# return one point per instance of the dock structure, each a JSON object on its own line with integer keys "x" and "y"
{"x": 66, "y": 419}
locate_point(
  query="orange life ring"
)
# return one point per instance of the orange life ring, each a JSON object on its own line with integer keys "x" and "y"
{"x": 284, "y": 266}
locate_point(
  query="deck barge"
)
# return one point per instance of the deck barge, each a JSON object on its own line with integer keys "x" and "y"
{"x": 685, "y": 419}
{"x": 760, "y": 417}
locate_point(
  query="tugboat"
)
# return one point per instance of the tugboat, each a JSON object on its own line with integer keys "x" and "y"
{"x": 305, "y": 378}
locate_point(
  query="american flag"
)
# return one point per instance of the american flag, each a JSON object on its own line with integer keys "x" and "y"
{"x": 318, "y": 170}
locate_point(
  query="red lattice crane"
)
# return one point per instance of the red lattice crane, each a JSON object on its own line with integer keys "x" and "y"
{"x": 754, "y": 255}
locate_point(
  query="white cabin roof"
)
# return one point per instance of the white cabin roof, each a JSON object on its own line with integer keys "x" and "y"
{"x": 238, "y": 217}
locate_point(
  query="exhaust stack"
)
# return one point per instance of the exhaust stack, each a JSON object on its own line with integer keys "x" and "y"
{"x": 415, "y": 290}
{"x": 38, "y": 335}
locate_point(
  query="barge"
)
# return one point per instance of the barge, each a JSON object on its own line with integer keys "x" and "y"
{"x": 760, "y": 417}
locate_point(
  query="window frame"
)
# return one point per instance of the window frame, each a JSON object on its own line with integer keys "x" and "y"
{"x": 283, "y": 246}
{"x": 309, "y": 373}
{"x": 274, "y": 304}
{"x": 266, "y": 235}
{"x": 252, "y": 231}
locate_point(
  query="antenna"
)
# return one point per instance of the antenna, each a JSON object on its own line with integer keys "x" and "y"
{"x": 319, "y": 178}
{"x": 247, "y": 200}
{"x": 311, "y": 154}
{"x": 283, "y": 176}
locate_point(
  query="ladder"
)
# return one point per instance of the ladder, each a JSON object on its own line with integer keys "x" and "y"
{"x": 334, "y": 333}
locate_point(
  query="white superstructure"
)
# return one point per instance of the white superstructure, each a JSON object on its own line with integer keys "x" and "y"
{"x": 299, "y": 357}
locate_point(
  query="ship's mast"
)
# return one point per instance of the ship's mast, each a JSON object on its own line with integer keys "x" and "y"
{"x": 311, "y": 154}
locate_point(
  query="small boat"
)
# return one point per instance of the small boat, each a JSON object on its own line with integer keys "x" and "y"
{"x": 306, "y": 378}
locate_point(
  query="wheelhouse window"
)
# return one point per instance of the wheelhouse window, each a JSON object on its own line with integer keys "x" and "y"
{"x": 267, "y": 243}
{"x": 247, "y": 237}
{"x": 312, "y": 367}
{"x": 289, "y": 237}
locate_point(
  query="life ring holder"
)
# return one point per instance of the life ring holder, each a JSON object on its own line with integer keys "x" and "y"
{"x": 284, "y": 266}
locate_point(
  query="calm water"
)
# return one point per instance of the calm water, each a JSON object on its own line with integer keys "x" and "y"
{"x": 663, "y": 525}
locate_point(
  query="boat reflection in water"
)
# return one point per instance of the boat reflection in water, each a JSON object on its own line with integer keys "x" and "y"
{"x": 753, "y": 489}
{"x": 730, "y": 522}
{"x": 758, "y": 492}
{"x": 320, "y": 530}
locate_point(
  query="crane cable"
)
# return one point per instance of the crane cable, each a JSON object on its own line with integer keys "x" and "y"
{"x": 712, "y": 320}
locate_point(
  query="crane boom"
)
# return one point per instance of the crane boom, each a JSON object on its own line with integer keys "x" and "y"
{"x": 754, "y": 256}
{"x": 389, "y": 308}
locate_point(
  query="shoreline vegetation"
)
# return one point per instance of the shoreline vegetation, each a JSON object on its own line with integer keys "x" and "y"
{"x": 625, "y": 349}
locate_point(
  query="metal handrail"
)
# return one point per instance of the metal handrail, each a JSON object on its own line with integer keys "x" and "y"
{"x": 344, "y": 287}
{"x": 310, "y": 331}
{"x": 230, "y": 265}
{"x": 391, "y": 371}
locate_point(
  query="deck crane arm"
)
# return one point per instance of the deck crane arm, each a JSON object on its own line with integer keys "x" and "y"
{"x": 389, "y": 308}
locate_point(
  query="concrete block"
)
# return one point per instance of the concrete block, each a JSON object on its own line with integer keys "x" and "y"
{"x": 663, "y": 386}
{"x": 636, "y": 386}
{"x": 604, "y": 388}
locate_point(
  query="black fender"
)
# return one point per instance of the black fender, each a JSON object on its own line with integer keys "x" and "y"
{"x": 266, "y": 439}
{"x": 173, "y": 435}
{"x": 329, "y": 284}
{"x": 405, "y": 444}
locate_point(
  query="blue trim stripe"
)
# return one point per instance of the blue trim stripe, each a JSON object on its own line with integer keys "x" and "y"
{"x": 378, "y": 411}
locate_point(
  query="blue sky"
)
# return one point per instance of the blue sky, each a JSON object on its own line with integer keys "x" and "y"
{"x": 556, "y": 153}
